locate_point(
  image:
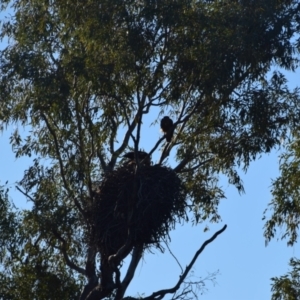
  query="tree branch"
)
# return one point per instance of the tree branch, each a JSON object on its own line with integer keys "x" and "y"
{"x": 61, "y": 165}
{"x": 160, "y": 294}
{"x": 156, "y": 145}
{"x": 136, "y": 256}
{"x": 166, "y": 243}
{"x": 123, "y": 146}
{"x": 90, "y": 273}
{"x": 97, "y": 293}
{"x": 25, "y": 194}
{"x": 138, "y": 120}
{"x": 81, "y": 210}
{"x": 82, "y": 158}
{"x": 101, "y": 159}
{"x": 183, "y": 163}
{"x": 128, "y": 134}
{"x": 64, "y": 253}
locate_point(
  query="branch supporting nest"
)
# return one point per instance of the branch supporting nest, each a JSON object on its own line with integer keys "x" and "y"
{"x": 136, "y": 256}
{"x": 133, "y": 210}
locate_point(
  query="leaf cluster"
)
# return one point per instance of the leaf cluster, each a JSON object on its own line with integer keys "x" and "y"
{"x": 285, "y": 206}
{"x": 287, "y": 287}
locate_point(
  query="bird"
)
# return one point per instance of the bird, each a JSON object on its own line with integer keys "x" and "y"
{"x": 167, "y": 127}
{"x": 142, "y": 156}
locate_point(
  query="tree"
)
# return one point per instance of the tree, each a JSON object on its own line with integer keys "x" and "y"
{"x": 284, "y": 209}
{"x": 84, "y": 76}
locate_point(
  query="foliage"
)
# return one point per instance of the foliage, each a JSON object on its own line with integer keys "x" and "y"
{"x": 37, "y": 267}
{"x": 84, "y": 77}
{"x": 285, "y": 208}
{"x": 285, "y": 205}
{"x": 287, "y": 287}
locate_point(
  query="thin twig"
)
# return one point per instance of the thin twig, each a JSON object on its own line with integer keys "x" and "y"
{"x": 61, "y": 165}
{"x": 182, "y": 164}
{"x": 174, "y": 256}
{"x": 116, "y": 154}
{"x": 25, "y": 194}
{"x": 160, "y": 294}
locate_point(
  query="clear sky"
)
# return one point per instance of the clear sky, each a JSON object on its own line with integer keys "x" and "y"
{"x": 245, "y": 265}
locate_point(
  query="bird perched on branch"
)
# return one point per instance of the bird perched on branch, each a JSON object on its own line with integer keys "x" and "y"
{"x": 166, "y": 125}
{"x": 142, "y": 156}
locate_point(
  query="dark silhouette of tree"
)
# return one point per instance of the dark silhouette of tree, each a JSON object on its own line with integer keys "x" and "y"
{"x": 83, "y": 76}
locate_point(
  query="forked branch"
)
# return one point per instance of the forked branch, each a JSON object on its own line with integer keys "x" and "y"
{"x": 160, "y": 294}
{"x": 136, "y": 256}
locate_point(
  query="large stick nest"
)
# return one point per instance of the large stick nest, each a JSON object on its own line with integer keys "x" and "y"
{"x": 144, "y": 202}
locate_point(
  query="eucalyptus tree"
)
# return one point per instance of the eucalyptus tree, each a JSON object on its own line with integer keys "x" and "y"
{"x": 283, "y": 213}
{"x": 83, "y": 76}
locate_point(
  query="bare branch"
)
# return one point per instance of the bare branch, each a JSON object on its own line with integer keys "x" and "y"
{"x": 101, "y": 158}
{"x": 166, "y": 151}
{"x": 90, "y": 125}
{"x": 138, "y": 119}
{"x": 174, "y": 256}
{"x": 115, "y": 259}
{"x": 63, "y": 250}
{"x": 97, "y": 293}
{"x": 113, "y": 134}
{"x": 136, "y": 256}
{"x": 121, "y": 102}
{"x": 124, "y": 144}
{"x": 182, "y": 164}
{"x": 25, "y": 194}
{"x": 184, "y": 103}
{"x": 81, "y": 134}
{"x": 90, "y": 262}
{"x": 131, "y": 127}
{"x": 90, "y": 273}
{"x": 160, "y": 294}
{"x": 62, "y": 172}
{"x": 61, "y": 165}
{"x": 156, "y": 145}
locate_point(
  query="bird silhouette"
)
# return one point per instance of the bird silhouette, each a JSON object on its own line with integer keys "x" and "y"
{"x": 166, "y": 125}
{"x": 142, "y": 156}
